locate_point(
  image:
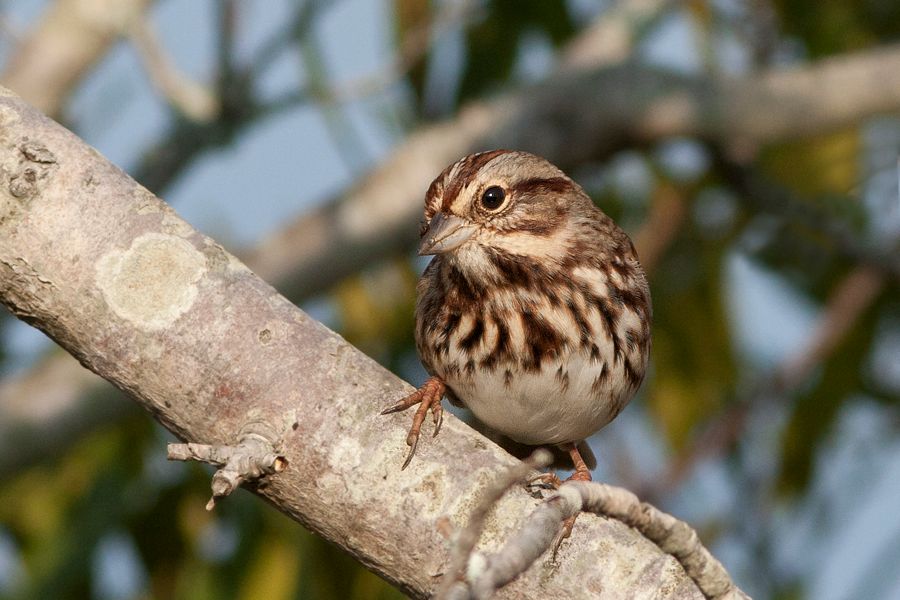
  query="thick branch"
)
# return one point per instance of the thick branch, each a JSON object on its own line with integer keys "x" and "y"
{"x": 138, "y": 296}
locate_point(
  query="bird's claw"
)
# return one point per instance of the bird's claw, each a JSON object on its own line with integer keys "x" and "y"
{"x": 437, "y": 415}
{"x": 544, "y": 481}
{"x": 428, "y": 397}
{"x": 564, "y": 534}
{"x": 412, "y": 450}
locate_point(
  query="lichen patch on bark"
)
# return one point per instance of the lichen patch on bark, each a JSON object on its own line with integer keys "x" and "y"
{"x": 153, "y": 282}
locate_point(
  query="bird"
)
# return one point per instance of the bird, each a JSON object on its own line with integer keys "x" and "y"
{"x": 534, "y": 312}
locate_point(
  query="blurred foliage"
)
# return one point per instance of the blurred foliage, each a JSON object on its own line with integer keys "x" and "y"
{"x": 374, "y": 309}
{"x": 835, "y": 26}
{"x": 115, "y": 484}
{"x": 492, "y": 43}
{"x": 817, "y": 406}
{"x": 116, "y": 481}
{"x": 825, "y": 164}
{"x": 694, "y": 370}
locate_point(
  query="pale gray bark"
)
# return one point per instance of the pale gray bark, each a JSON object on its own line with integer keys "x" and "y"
{"x": 120, "y": 281}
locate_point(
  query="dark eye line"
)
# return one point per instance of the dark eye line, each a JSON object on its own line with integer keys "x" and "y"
{"x": 543, "y": 185}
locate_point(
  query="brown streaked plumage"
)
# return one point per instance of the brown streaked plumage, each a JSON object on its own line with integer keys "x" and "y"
{"x": 534, "y": 313}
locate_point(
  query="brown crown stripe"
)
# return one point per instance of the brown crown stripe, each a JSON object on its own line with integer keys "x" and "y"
{"x": 435, "y": 189}
{"x": 466, "y": 171}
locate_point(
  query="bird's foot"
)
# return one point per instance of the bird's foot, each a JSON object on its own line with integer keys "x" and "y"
{"x": 427, "y": 397}
{"x": 552, "y": 481}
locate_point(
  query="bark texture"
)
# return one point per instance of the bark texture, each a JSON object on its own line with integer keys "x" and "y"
{"x": 138, "y": 296}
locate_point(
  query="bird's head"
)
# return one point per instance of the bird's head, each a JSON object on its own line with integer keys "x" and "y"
{"x": 503, "y": 201}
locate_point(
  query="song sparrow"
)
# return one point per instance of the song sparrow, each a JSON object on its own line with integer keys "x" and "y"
{"x": 534, "y": 313}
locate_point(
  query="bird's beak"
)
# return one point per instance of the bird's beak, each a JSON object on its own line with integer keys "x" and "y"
{"x": 445, "y": 233}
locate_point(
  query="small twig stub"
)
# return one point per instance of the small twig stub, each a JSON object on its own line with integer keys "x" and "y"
{"x": 252, "y": 459}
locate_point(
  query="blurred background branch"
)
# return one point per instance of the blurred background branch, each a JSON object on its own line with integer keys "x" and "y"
{"x": 69, "y": 40}
{"x": 193, "y": 100}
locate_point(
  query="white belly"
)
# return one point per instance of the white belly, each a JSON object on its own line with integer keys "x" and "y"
{"x": 543, "y": 407}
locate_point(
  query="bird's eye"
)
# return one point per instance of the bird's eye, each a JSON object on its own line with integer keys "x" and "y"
{"x": 493, "y": 197}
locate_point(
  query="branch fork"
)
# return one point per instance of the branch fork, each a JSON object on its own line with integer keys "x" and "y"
{"x": 254, "y": 457}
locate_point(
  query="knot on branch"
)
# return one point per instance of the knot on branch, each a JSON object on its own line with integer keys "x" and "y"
{"x": 251, "y": 459}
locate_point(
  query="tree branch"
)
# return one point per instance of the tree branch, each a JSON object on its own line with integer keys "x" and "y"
{"x": 138, "y": 296}
{"x": 486, "y": 574}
